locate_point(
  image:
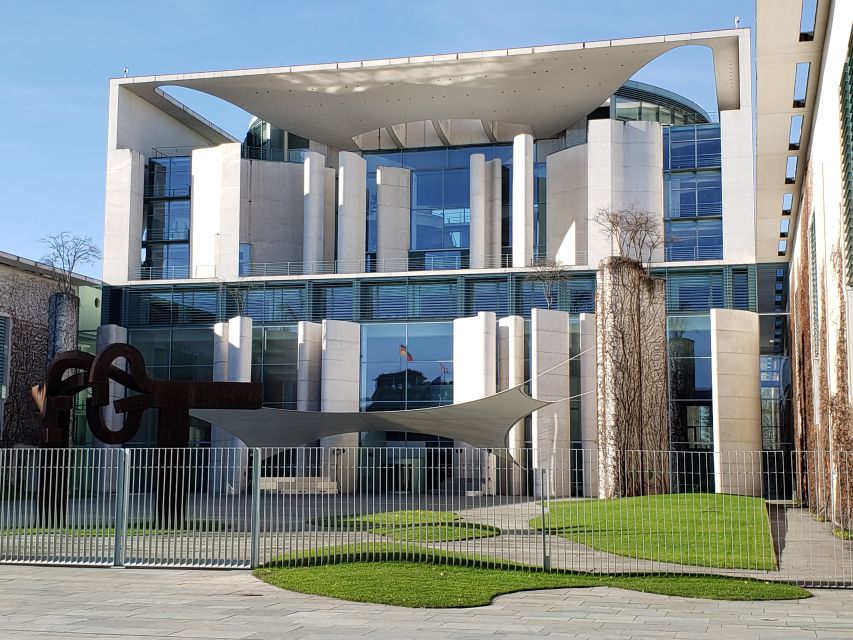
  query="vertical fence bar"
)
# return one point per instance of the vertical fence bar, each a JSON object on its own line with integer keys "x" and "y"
{"x": 256, "y": 507}
{"x": 122, "y": 482}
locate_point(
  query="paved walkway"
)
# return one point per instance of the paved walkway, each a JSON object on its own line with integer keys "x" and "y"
{"x": 131, "y": 604}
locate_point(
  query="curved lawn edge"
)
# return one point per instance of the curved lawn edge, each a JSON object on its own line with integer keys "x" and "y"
{"x": 440, "y": 585}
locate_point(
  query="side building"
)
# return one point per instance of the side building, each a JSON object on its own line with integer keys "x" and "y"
{"x": 25, "y": 291}
{"x": 384, "y": 218}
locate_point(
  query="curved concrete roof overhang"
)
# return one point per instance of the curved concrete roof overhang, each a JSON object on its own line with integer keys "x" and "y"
{"x": 482, "y": 423}
{"x": 547, "y": 88}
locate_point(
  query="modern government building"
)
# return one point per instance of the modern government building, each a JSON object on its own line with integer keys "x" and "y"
{"x": 371, "y": 243}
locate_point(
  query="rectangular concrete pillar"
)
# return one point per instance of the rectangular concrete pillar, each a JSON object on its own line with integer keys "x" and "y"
{"x": 393, "y": 217}
{"x": 522, "y": 200}
{"x": 215, "y": 212}
{"x": 106, "y": 335}
{"x": 123, "y": 217}
{"x": 339, "y": 392}
{"x": 589, "y": 416}
{"x": 478, "y": 227}
{"x": 309, "y": 355}
{"x": 736, "y": 394}
{"x": 232, "y": 362}
{"x": 567, "y": 228}
{"x": 352, "y": 212}
{"x": 549, "y": 380}
{"x": 330, "y": 208}
{"x": 475, "y": 377}
{"x": 314, "y": 210}
{"x": 494, "y": 212}
{"x": 512, "y": 478}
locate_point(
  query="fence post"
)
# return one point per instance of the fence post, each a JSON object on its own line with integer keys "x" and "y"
{"x": 122, "y": 493}
{"x": 545, "y": 494}
{"x": 256, "y": 506}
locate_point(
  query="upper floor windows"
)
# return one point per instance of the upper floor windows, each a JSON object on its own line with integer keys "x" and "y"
{"x": 691, "y": 147}
{"x": 168, "y": 177}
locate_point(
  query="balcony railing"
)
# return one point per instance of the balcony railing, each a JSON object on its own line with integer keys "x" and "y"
{"x": 166, "y": 235}
{"x": 176, "y": 272}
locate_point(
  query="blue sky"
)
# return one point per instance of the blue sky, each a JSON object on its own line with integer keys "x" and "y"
{"x": 56, "y": 58}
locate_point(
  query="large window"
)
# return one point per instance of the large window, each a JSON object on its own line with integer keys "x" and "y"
{"x": 274, "y": 356}
{"x": 166, "y": 231}
{"x": 693, "y": 193}
{"x": 689, "y": 344}
{"x": 846, "y": 94}
{"x": 406, "y": 365}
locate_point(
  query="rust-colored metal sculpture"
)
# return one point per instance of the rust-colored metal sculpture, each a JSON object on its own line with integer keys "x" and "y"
{"x": 73, "y": 372}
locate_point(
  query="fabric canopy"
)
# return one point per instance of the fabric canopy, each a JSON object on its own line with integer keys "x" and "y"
{"x": 481, "y": 423}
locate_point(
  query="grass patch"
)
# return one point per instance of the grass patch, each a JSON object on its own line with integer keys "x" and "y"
{"x": 413, "y": 526}
{"x": 842, "y": 534}
{"x": 701, "y": 529}
{"x": 423, "y": 584}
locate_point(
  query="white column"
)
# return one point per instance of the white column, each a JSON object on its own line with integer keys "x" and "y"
{"x": 106, "y": 335}
{"x": 352, "y": 212}
{"x": 329, "y": 216}
{"x": 736, "y": 394}
{"x": 475, "y": 377}
{"x": 215, "y": 212}
{"x": 123, "y": 215}
{"x": 314, "y": 209}
{"x": 309, "y": 353}
{"x": 549, "y": 380}
{"x": 339, "y": 392}
{"x": 567, "y": 223}
{"x": 511, "y": 374}
{"x": 393, "y": 216}
{"x": 494, "y": 212}
{"x": 522, "y": 200}
{"x": 232, "y": 362}
{"x": 479, "y": 239}
{"x": 589, "y": 404}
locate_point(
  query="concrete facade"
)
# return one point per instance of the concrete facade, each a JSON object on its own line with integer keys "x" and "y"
{"x": 479, "y": 231}
{"x": 123, "y": 216}
{"x": 309, "y": 360}
{"x": 736, "y": 393}
{"x": 339, "y": 392}
{"x": 567, "y": 234}
{"x": 352, "y": 212}
{"x": 314, "y": 210}
{"x": 494, "y": 212}
{"x": 393, "y": 218}
{"x": 510, "y": 373}
{"x": 549, "y": 380}
{"x": 522, "y": 200}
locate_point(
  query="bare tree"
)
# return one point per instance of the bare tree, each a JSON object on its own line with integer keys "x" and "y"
{"x": 637, "y": 232}
{"x": 67, "y": 253}
{"x": 548, "y": 274}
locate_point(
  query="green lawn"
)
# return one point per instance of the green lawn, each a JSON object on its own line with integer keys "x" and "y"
{"x": 701, "y": 529}
{"x": 421, "y": 584}
{"x": 414, "y": 526}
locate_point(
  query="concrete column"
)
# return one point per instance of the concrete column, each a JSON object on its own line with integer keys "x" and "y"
{"x": 478, "y": 233}
{"x": 549, "y": 380}
{"x": 567, "y": 226}
{"x": 474, "y": 377}
{"x": 339, "y": 392}
{"x": 314, "y": 210}
{"x": 232, "y": 362}
{"x": 494, "y": 212}
{"x": 522, "y": 200}
{"x": 123, "y": 215}
{"x": 329, "y": 216}
{"x": 309, "y": 356}
{"x": 215, "y": 212}
{"x": 511, "y": 374}
{"x": 589, "y": 417}
{"x": 736, "y": 394}
{"x": 106, "y": 335}
{"x": 352, "y": 212}
{"x": 393, "y": 218}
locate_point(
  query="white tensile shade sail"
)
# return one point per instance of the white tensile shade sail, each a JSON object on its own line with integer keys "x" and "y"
{"x": 481, "y": 423}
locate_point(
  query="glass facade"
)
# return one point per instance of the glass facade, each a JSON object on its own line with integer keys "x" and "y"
{"x": 693, "y": 193}
{"x": 166, "y": 230}
{"x": 274, "y": 357}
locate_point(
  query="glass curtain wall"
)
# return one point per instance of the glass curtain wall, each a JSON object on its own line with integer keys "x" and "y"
{"x": 693, "y": 193}
{"x": 166, "y": 230}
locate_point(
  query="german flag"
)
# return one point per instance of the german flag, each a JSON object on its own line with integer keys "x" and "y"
{"x": 404, "y": 353}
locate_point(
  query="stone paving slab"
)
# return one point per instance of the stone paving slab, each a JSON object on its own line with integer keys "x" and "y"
{"x": 41, "y": 603}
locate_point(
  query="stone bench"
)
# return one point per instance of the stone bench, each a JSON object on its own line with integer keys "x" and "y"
{"x": 310, "y": 485}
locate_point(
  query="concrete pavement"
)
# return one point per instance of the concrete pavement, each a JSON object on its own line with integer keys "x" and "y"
{"x": 41, "y": 603}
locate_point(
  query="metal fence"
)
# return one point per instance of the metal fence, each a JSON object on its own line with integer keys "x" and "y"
{"x": 770, "y": 515}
